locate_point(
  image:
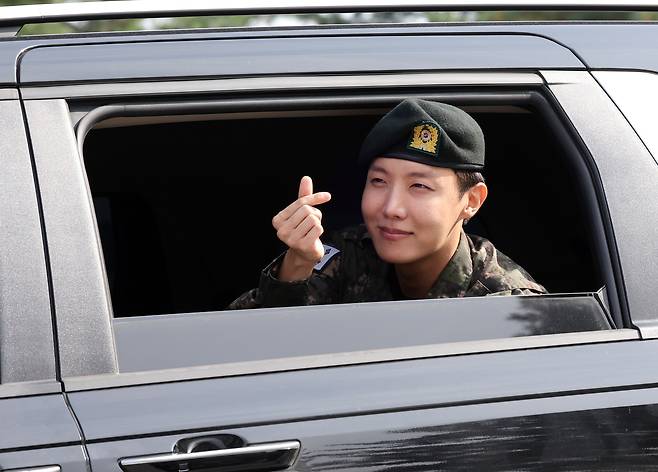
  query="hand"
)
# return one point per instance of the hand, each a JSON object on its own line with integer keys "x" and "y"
{"x": 299, "y": 227}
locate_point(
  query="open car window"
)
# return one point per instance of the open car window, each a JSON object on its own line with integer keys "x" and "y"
{"x": 184, "y": 217}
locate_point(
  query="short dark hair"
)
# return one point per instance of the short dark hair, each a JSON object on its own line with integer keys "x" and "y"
{"x": 467, "y": 179}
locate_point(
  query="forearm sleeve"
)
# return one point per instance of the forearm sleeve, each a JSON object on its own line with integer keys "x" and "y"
{"x": 320, "y": 288}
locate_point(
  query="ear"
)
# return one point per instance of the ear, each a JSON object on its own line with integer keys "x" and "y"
{"x": 475, "y": 197}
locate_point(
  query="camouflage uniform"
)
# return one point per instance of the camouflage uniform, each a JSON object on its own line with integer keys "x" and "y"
{"x": 357, "y": 274}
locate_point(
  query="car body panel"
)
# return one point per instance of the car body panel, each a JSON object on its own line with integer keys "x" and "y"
{"x": 112, "y": 413}
{"x": 495, "y": 411}
{"x": 588, "y": 432}
{"x": 36, "y": 421}
{"x": 68, "y": 458}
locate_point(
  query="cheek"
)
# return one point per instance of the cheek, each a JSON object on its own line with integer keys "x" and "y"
{"x": 434, "y": 215}
{"x": 368, "y": 203}
{"x": 427, "y": 217}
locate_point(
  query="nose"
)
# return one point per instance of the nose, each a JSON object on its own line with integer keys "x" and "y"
{"x": 394, "y": 205}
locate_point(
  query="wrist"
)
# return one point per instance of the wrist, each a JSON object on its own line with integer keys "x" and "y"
{"x": 294, "y": 268}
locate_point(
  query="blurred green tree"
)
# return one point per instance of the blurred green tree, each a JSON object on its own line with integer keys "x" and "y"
{"x": 315, "y": 19}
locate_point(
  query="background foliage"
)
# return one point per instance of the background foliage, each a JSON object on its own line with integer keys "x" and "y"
{"x": 314, "y": 19}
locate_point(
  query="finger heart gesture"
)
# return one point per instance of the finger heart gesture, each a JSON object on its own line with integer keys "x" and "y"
{"x": 299, "y": 226}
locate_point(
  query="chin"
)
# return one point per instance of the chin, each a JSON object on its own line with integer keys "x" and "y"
{"x": 394, "y": 256}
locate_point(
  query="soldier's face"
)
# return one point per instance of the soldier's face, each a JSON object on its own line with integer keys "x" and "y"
{"x": 412, "y": 210}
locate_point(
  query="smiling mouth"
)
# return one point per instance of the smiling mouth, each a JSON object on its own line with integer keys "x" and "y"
{"x": 393, "y": 234}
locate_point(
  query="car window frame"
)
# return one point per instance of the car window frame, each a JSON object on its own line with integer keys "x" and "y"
{"x": 532, "y": 95}
{"x": 543, "y": 100}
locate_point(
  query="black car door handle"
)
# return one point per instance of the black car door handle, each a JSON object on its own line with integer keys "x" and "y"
{"x": 271, "y": 456}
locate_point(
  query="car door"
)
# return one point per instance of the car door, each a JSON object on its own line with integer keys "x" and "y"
{"x": 37, "y": 431}
{"x": 383, "y": 386}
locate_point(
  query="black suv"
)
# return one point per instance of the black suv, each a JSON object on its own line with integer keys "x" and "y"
{"x": 140, "y": 173}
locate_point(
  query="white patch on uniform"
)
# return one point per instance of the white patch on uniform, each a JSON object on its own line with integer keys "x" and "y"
{"x": 329, "y": 253}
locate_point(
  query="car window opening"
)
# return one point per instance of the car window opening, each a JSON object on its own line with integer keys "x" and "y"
{"x": 184, "y": 211}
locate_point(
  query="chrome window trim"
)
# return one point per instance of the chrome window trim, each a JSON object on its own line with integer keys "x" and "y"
{"x": 274, "y": 84}
{"x": 347, "y": 358}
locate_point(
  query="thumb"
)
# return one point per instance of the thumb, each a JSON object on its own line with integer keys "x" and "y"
{"x": 305, "y": 186}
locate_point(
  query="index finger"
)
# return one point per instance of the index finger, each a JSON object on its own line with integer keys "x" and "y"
{"x": 313, "y": 199}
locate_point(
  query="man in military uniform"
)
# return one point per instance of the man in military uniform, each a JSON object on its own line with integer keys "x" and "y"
{"x": 424, "y": 160}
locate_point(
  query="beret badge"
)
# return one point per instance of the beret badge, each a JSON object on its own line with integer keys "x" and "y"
{"x": 424, "y": 138}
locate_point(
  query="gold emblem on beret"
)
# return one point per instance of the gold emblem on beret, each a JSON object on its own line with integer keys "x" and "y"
{"x": 425, "y": 138}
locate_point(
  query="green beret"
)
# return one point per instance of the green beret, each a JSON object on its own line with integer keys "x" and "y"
{"x": 431, "y": 133}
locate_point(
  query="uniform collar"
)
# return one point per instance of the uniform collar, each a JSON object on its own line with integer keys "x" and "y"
{"x": 455, "y": 279}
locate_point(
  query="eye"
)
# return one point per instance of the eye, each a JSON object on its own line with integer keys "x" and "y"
{"x": 377, "y": 181}
{"x": 421, "y": 186}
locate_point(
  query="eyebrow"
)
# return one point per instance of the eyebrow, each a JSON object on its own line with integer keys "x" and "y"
{"x": 424, "y": 175}
{"x": 378, "y": 169}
